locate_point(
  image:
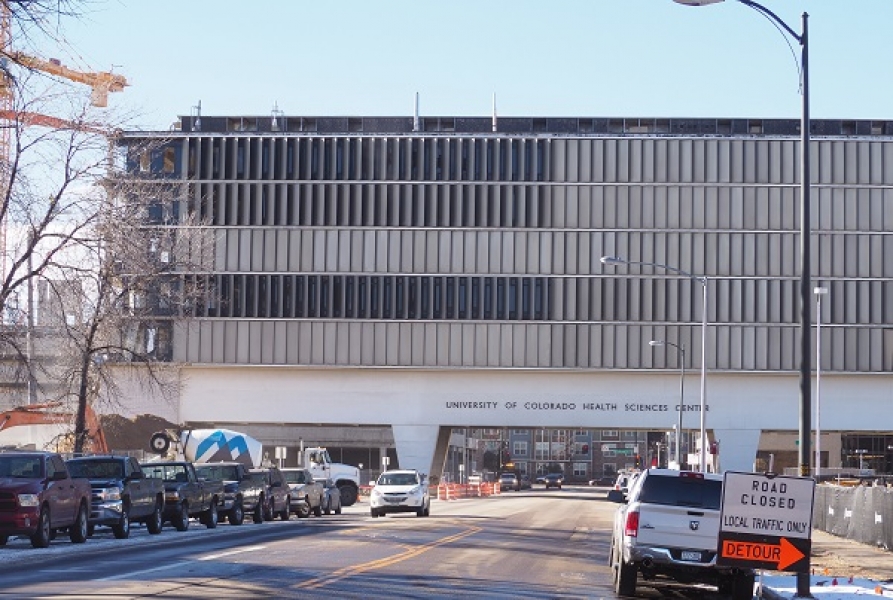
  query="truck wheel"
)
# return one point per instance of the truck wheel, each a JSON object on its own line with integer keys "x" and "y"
{"x": 338, "y": 510}
{"x": 41, "y": 537}
{"x": 210, "y": 517}
{"x": 303, "y": 510}
{"x": 349, "y": 494}
{"x": 121, "y": 529}
{"x": 237, "y": 513}
{"x": 259, "y": 510}
{"x": 285, "y": 514}
{"x": 180, "y": 521}
{"x": 77, "y": 533}
{"x": 624, "y": 578}
{"x": 155, "y": 520}
{"x": 269, "y": 513}
{"x": 328, "y": 509}
{"x": 317, "y": 510}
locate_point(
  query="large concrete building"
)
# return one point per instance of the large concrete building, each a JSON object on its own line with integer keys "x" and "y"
{"x": 396, "y": 278}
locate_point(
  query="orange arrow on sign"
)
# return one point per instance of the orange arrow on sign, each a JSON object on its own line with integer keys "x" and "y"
{"x": 784, "y": 553}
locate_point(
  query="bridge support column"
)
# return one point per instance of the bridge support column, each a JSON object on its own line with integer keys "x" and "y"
{"x": 422, "y": 447}
{"x": 737, "y": 448}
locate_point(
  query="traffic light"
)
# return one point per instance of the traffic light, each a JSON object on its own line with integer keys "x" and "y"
{"x": 638, "y": 461}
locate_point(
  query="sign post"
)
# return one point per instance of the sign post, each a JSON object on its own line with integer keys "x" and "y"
{"x": 766, "y": 522}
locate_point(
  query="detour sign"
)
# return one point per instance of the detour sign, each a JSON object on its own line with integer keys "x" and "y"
{"x": 766, "y": 521}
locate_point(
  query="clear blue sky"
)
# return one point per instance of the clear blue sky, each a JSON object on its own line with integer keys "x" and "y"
{"x": 619, "y": 58}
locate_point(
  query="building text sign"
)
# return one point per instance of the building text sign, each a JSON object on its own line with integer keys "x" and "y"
{"x": 766, "y": 521}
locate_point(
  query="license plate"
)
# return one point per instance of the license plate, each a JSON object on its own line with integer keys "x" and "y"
{"x": 691, "y": 555}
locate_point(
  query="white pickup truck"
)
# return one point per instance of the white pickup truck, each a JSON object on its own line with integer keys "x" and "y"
{"x": 668, "y": 527}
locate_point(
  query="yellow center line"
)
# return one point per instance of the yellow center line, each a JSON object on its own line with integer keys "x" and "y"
{"x": 345, "y": 572}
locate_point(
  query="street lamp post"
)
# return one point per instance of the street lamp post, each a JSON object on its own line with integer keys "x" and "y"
{"x": 819, "y": 292}
{"x": 616, "y": 260}
{"x": 680, "y": 349}
{"x": 803, "y": 455}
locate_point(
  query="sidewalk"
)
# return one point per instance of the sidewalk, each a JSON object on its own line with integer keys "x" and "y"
{"x": 842, "y": 569}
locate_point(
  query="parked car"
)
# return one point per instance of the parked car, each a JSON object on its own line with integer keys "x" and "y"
{"x": 332, "y": 500}
{"x": 185, "y": 494}
{"x": 242, "y": 493}
{"x": 400, "y": 491}
{"x": 624, "y": 480}
{"x": 525, "y": 482}
{"x": 39, "y": 497}
{"x": 306, "y": 493}
{"x": 122, "y": 494}
{"x": 277, "y": 499}
{"x": 668, "y": 529}
{"x": 553, "y": 480}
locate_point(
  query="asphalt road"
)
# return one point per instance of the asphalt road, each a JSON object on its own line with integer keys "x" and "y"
{"x": 530, "y": 544}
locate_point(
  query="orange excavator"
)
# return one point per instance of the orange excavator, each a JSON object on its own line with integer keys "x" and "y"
{"x": 49, "y": 414}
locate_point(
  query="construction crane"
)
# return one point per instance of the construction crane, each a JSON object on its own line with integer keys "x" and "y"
{"x": 101, "y": 84}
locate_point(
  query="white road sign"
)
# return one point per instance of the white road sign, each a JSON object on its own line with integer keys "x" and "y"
{"x": 760, "y": 504}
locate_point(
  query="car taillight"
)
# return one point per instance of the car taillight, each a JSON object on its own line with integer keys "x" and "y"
{"x": 632, "y": 524}
{"x": 691, "y": 475}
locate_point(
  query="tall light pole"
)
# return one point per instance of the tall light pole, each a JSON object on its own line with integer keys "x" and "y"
{"x": 616, "y": 260}
{"x": 805, "y": 430}
{"x": 680, "y": 349}
{"x": 819, "y": 292}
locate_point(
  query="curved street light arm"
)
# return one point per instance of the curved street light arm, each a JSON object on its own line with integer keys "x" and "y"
{"x": 616, "y": 260}
{"x": 765, "y": 11}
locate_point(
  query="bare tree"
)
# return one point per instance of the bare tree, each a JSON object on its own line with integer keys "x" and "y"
{"x": 126, "y": 278}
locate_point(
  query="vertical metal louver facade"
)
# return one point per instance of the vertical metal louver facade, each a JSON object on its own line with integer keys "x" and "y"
{"x": 359, "y": 242}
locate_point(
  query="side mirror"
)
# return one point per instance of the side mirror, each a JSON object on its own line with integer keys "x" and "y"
{"x": 616, "y": 496}
{"x": 276, "y": 484}
{"x": 137, "y": 475}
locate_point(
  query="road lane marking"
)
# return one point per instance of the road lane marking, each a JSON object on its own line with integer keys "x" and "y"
{"x": 345, "y": 572}
{"x": 180, "y": 564}
{"x": 171, "y": 566}
{"x": 231, "y": 552}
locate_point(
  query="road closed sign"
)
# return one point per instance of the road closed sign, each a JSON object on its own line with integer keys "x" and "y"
{"x": 766, "y": 521}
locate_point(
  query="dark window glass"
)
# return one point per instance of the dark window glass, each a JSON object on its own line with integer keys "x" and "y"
{"x": 674, "y": 490}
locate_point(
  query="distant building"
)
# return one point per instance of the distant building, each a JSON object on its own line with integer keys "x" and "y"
{"x": 401, "y": 277}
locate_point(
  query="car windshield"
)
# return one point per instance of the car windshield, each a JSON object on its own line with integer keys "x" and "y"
{"x": 398, "y": 479}
{"x": 96, "y": 469}
{"x": 218, "y": 472}
{"x": 169, "y": 473}
{"x": 25, "y": 467}
{"x": 295, "y": 476}
{"x": 681, "y": 491}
